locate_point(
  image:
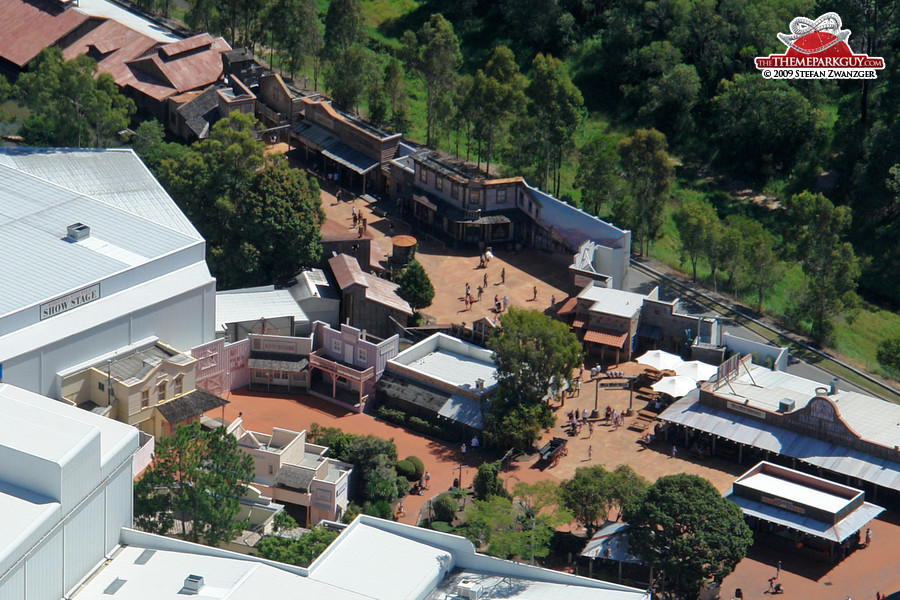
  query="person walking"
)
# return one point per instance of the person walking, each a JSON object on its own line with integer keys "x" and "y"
{"x": 590, "y": 429}
{"x": 534, "y": 293}
{"x": 468, "y": 289}
{"x": 480, "y": 292}
{"x": 503, "y": 275}
{"x": 778, "y": 569}
{"x": 484, "y": 281}
{"x": 552, "y": 301}
{"x": 497, "y": 303}
{"x": 463, "y": 448}
{"x": 505, "y": 302}
{"x": 674, "y": 451}
{"x": 590, "y": 452}
{"x": 868, "y": 537}
{"x": 427, "y": 477}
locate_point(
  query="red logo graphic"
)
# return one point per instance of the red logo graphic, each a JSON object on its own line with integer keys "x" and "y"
{"x": 818, "y": 50}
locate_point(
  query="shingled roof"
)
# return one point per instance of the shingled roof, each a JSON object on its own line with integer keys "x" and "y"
{"x": 347, "y": 273}
{"x": 190, "y": 405}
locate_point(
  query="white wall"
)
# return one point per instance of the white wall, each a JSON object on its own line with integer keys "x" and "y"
{"x": 742, "y": 346}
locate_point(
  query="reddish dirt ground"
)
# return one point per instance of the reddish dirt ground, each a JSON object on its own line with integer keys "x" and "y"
{"x": 860, "y": 575}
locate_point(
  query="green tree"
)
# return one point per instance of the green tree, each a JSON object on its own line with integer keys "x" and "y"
{"x": 415, "y": 286}
{"x": 487, "y": 481}
{"x": 764, "y": 125}
{"x": 888, "y": 354}
{"x": 498, "y": 92}
{"x": 555, "y": 111}
{"x": 665, "y": 89}
{"x": 597, "y": 174}
{"x": 522, "y": 526}
{"x": 695, "y": 220}
{"x": 280, "y": 217}
{"x": 760, "y": 265}
{"x": 283, "y": 521}
{"x": 593, "y": 492}
{"x": 649, "y": 174}
{"x": 433, "y": 54}
{"x": 532, "y": 351}
{"x": 395, "y": 92}
{"x": 71, "y": 103}
{"x": 829, "y": 262}
{"x": 687, "y": 531}
{"x": 296, "y": 30}
{"x": 344, "y": 26}
{"x": 734, "y": 248}
{"x": 301, "y": 551}
{"x": 352, "y": 73}
{"x": 374, "y": 460}
{"x": 197, "y": 477}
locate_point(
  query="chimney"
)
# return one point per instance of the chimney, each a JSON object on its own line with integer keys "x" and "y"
{"x": 479, "y": 384}
{"x": 193, "y": 584}
{"x": 833, "y": 387}
{"x": 78, "y": 231}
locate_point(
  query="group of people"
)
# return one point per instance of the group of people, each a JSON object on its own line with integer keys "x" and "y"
{"x": 613, "y": 418}
{"x": 578, "y": 419}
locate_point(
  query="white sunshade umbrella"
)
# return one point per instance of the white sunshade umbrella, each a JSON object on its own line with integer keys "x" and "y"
{"x": 676, "y": 386}
{"x": 659, "y": 359}
{"x": 696, "y": 370}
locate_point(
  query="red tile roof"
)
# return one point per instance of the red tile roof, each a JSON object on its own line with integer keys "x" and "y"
{"x": 29, "y": 27}
{"x": 568, "y": 306}
{"x": 607, "y": 337}
{"x": 347, "y": 273}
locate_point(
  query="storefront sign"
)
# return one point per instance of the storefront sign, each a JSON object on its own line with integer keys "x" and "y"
{"x": 747, "y": 410}
{"x": 73, "y": 300}
{"x": 784, "y": 504}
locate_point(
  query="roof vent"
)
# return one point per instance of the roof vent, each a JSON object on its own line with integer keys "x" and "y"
{"x": 479, "y": 384}
{"x": 192, "y": 584}
{"x": 833, "y": 387}
{"x": 785, "y": 406}
{"x": 78, "y": 231}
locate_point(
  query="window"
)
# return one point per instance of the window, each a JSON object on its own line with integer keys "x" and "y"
{"x": 501, "y": 196}
{"x": 145, "y": 398}
{"x": 423, "y": 174}
{"x": 454, "y": 191}
{"x": 271, "y": 470}
{"x": 179, "y": 385}
{"x": 101, "y": 387}
{"x": 361, "y": 355}
{"x": 336, "y": 346}
{"x": 474, "y": 197}
{"x": 161, "y": 391}
{"x": 439, "y": 183}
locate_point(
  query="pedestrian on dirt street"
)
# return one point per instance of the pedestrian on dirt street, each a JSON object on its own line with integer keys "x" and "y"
{"x": 590, "y": 452}
{"x": 503, "y": 275}
{"x": 674, "y": 451}
{"x": 868, "y": 537}
{"x": 534, "y": 296}
{"x": 778, "y": 569}
{"x": 427, "y": 477}
{"x": 484, "y": 282}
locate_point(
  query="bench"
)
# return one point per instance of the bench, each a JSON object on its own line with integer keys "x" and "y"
{"x": 646, "y": 415}
{"x": 639, "y": 425}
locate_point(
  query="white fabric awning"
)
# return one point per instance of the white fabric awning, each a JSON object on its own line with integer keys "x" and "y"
{"x": 696, "y": 370}
{"x": 676, "y": 386}
{"x": 661, "y": 360}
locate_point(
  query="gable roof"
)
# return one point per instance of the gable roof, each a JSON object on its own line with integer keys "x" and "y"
{"x": 112, "y": 44}
{"x": 178, "y": 67}
{"x": 29, "y": 27}
{"x": 201, "y": 112}
{"x": 189, "y": 406}
{"x": 347, "y": 273}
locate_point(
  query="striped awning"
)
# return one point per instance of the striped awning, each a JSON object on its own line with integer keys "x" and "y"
{"x": 607, "y": 337}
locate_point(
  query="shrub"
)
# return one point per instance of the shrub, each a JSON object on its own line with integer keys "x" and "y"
{"x": 442, "y": 526}
{"x": 418, "y": 464}
{"x": 353, "y": 510}
{"x": 406, "y": 469}
{"x": 392, "y": 415}
{"x": 444, "y": 508}
{"x": 381, "y": 509}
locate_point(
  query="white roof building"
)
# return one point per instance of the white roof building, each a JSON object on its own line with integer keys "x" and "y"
{"x": 239, "y": 312}
{"x": 65, "y": 492}
{"x": 373, "y": 559}
{"x": 97, "y": 258}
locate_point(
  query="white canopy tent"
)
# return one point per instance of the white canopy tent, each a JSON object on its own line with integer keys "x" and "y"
{"x": 658, "y": 359}
{"x": 676, "y": 386}
{"x": 696, "y": 370}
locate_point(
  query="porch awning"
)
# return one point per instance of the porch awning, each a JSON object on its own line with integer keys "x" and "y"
{"x": 313, "y": 136}
{"x": 354, "y": 160}
{"x": 424, "y": 202}
{"x": 597, "y": 335}
{"x": 568, "y": 306}
{"x": 578, "y": 323}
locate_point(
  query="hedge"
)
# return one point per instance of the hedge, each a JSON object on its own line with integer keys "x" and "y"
{"x": 418, "y": 464}
{"x": 407, "y": 469}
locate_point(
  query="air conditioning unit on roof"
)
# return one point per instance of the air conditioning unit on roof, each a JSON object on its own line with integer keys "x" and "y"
{"x": 471, "y": 590}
